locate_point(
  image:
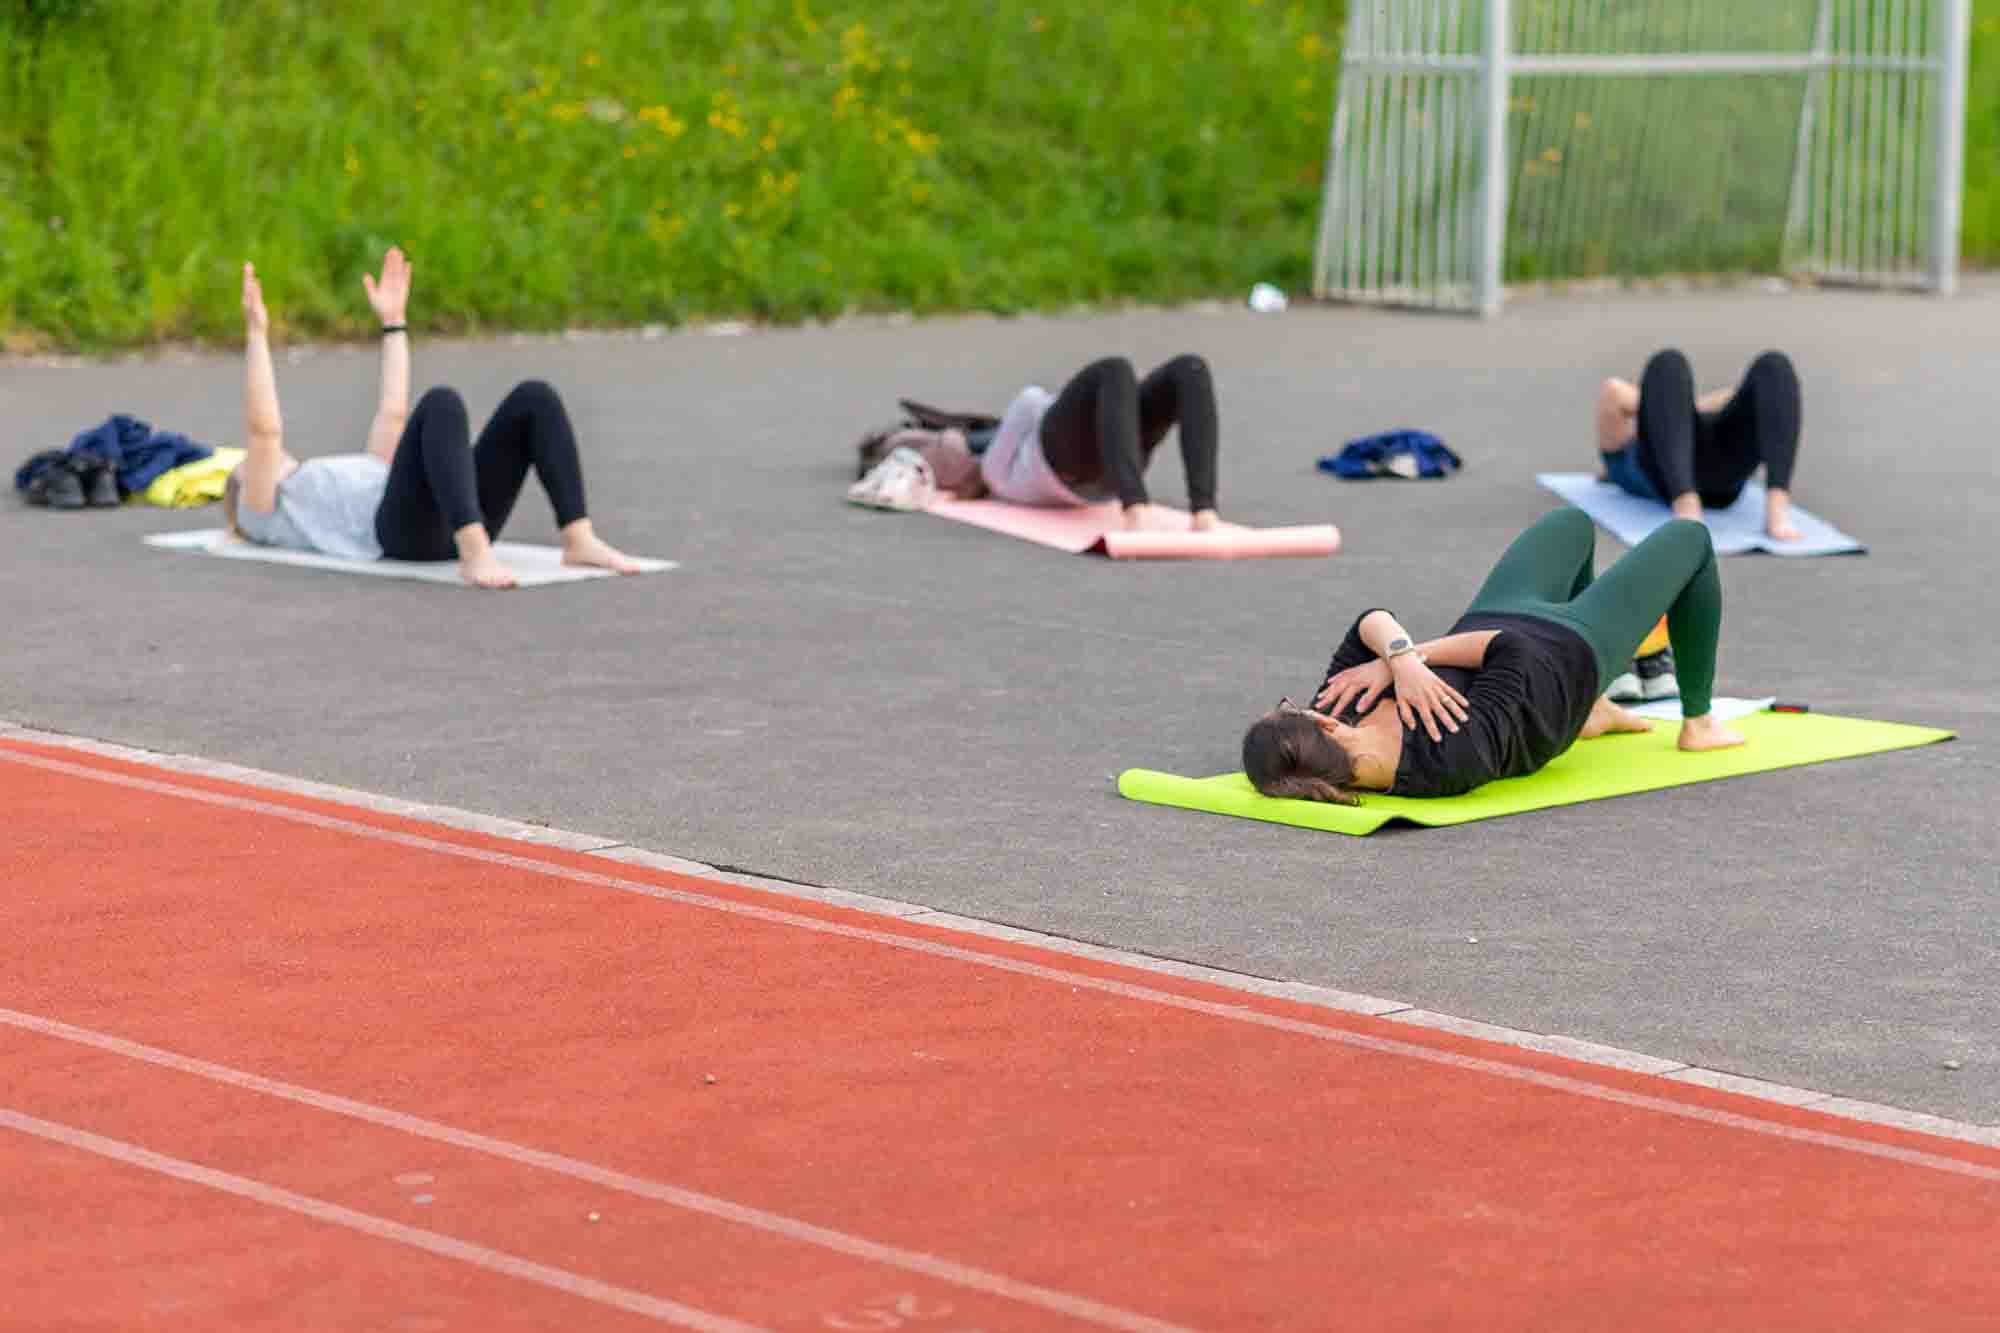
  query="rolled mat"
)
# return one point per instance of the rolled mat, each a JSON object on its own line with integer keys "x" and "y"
{"x": 1100, "y": 528}
{"x": 1590, "y": 770}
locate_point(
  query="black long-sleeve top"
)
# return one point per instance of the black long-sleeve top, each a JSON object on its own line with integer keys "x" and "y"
{"x": 1524, "y": 705}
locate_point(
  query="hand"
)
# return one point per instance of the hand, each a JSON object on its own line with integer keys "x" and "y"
{"x": 256, "y": 320}
{"x": 1422, "y": 694}
{"x": 1360, "y": 685}
{"x": 391, "y": 296}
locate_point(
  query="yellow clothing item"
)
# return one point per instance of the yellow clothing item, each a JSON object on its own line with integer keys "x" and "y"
{"x": 191, "y": 484}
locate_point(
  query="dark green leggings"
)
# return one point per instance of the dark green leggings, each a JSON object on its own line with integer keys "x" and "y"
{"x": 1547, "y": 573}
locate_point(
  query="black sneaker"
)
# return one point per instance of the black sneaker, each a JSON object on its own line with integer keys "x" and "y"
{"x": 56, "y": 486}
{"x": 1656, "y": 675}
{"x": 100, "y": 484}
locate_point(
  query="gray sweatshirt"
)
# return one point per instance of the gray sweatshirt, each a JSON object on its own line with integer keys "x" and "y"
{"x": 1013, "y": 466}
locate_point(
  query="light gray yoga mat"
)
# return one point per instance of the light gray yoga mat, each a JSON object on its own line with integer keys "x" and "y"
{"x": 534, "y": 565}
{"x": 1722, "y": 708}
{"x": 1735, "y": 530}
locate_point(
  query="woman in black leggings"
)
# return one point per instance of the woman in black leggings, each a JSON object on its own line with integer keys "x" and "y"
{"x": 1658, "y": 441}
{"x": 421, "y": 490}
{"x": 1091, "y": 440}
{"x": 1100, "y": 432}
{"x": 442, "y": 494}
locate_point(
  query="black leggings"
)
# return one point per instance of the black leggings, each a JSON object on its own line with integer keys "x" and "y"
{"x": 1104, "y": 419}
{"x": 1712, "y": 454}
{"x": 437, "y": 485}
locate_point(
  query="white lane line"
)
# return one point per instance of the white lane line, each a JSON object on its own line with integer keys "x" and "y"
{"x": 1078, "y": 980}
{"x": 911, "y": 1261}
{"x": 448, "y": 1247}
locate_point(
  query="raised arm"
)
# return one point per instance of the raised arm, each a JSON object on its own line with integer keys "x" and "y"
{"x": 390, "y": 299}
{"x": 266, "y": 463}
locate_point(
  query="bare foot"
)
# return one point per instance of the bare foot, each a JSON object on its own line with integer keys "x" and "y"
{"x": 1705, "y": 733}
{"x": 1204, "y": 520}
{"x": 1687, "y": 506}
{"x": 1778, "y": 516}
{"x": 486, "y": 571}
{"x": 1607, "y": 717}
{"x": 592, "y": 550}
{"x": 1137, "y": 517}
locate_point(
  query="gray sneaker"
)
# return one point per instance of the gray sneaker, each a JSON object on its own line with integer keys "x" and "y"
{"x": 1656, "y": 675}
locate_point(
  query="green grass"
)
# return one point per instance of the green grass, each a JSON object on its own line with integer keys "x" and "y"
{"x": 1981, "y": 242}
{"x": 598, "y": 162}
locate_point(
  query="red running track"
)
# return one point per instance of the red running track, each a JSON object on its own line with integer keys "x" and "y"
{"x": 272, "y": 1062}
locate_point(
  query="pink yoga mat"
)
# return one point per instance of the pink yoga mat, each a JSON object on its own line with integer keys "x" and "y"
{"x": 1101, "y": 528}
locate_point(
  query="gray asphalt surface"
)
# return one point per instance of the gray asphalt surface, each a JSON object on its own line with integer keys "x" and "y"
{"x": 903, "y": 706}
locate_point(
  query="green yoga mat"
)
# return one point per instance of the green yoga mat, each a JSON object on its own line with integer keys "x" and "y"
{"x": 1606, "y": 766}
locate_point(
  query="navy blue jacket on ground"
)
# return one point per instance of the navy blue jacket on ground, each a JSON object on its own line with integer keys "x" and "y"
{"x": 136, "y": 450}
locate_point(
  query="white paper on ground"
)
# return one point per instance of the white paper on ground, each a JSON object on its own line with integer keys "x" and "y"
{"x": 532, "y": 564}
{"x": 1734, "y": 530}
{"x": 1723, "y": 708}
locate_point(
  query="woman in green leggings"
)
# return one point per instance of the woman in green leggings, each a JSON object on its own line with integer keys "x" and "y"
{"x": 1517, "y": 681}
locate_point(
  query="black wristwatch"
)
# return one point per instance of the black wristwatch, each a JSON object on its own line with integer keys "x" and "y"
{"x": 1397, "y": 647}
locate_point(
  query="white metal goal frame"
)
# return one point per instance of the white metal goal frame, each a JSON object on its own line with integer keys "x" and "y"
{"x": 1856, "y": 109}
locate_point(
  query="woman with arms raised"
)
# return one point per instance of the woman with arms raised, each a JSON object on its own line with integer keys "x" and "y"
{"x": 1516, "y": 682}
{"x": 421, "y": 490}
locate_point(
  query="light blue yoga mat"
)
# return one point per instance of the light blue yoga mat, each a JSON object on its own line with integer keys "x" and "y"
{"x": 1734, "y": 530}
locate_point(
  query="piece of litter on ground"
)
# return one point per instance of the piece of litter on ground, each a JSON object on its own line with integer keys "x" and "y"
{"x": 708, "y": 1078}
{"x": 1472, "y": 939}
{"x": 1954, "y": 1064}
{"x": 593, "y": 1217}
{"x": 1267, "y": 299}
{"x": 423, "y": 1198}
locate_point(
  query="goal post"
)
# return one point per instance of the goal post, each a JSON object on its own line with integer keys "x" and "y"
{"x": 1480, "y": 141}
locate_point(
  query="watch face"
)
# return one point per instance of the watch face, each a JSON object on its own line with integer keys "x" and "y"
{"x": 1401, "y": 644}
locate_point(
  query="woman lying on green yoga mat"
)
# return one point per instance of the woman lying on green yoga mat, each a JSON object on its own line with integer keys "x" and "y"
{"x": 1518, "y": 680}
